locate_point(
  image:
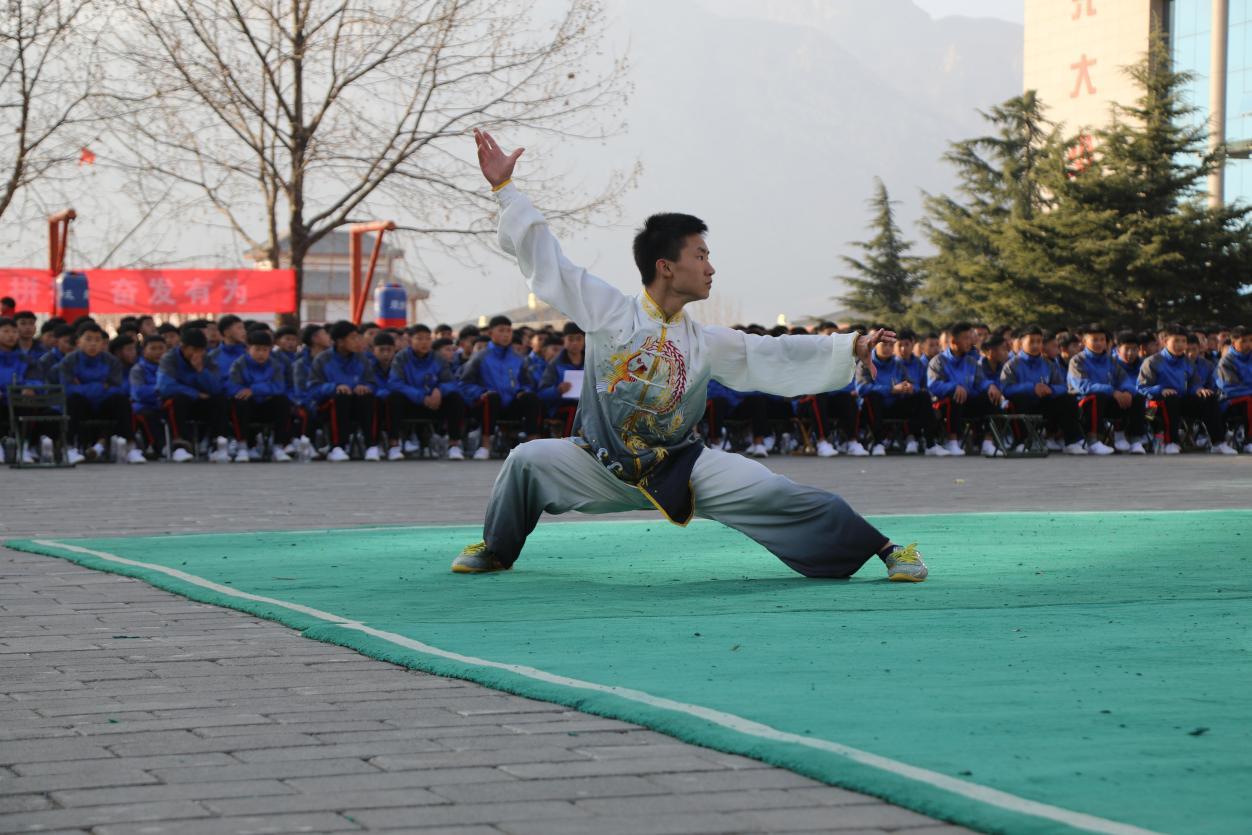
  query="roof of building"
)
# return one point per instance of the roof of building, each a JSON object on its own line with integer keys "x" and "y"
{"x": 333, "y": 243}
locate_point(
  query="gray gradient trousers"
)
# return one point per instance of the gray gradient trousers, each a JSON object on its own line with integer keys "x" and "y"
{"x": 812, "y": 530}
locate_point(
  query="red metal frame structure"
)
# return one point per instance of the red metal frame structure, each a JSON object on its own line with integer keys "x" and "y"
{"x": 58, "y": 240}
{"x": 359, "y": 289}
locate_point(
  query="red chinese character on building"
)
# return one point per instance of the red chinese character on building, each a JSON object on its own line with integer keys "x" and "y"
{"x": 1083, "y": 67}
{"x": 1078, "y": 8}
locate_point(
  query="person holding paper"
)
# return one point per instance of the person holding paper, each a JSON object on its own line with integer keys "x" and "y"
{"x": 561, "y": 386}
{"x": 648, "y": 364}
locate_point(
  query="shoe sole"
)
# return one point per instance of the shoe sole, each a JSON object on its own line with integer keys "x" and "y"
{"x": 465, "y": 569}
{"x": 905, "y": 578}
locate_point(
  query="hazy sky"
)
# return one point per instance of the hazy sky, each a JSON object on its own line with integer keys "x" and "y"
{"x": 1004, "y": 9}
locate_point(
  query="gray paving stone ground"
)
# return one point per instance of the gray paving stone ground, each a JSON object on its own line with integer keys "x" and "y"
{"x": 124, "y": 709}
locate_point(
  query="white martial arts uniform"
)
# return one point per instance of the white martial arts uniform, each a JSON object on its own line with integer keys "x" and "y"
{"x": 636, "y": 439}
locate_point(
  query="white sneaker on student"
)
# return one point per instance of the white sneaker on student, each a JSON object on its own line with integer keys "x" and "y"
{"x": 95, "y": 452}
{"x": 1172, "y": 449}
{"x": 373, "y": 454}
{"x": 180, "y": 455}
{"x": 337, "y": 454}
{"x": 119, "y": 447}
{"x": 769, "y": 443}
{"x": 135, "y": 456}
{"x": 878, "y": 449}
{"x": 1137, "y": 448}
{"x": 411, "y": 447}
{"x": 280, "y": 456}
{"x": 954, "y": 447}
{"x": 856, "y": 450}
{"x": 937, "y": 451}
{"x": 46, "y": 449}
{"x": 990, "y": 450}
{"x": 72, "y": 455}
{"x": 825, "y": 449}
{"x": 758, "y": 451}
{"x": 395, "y": 454}
{"x": 221, "y": 455}
{"x": 1224, "y": 449}
{"x": 28, "y": 456}
{"x": 1054, "y": 445}
{"x": 1076, "y": 448}
{"x": 482, "y": 454}
{"x": 910, "y": 446}
{"x": 1120, "y": 443}
{"x": 455, "y": 453}
{"x": 1100, "y": 448}
{"x": 1203, "y": 442}
{"x": 241, "y": 455}
{"x": 1247, "y": 448}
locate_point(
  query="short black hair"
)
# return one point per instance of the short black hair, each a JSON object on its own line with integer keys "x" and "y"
{"x": 553, "y": 341}
{"x": 153, "y": 339}
{"x": 384, "y": 338}
{"x": 167, "y": 327}
{"x": 1239, "y": 331}
{"x": 958, "y": 328}
{"x": 906, "y": 333}
{"x": 8, "y": 301}
{"x": 662, "y": 237}
{"x": 88, "y": 327}
{"x": 62, "y": 330}
{"x": 24, "y": 314}
{"x": 364, "y": 326}
{"x": 443, "y": 326}
{"x": 342, "y": 330}
{"x": 1124, "y": 337}
{"x": 260, "y": 336}
{"x": 6, "y": 322}
{"x": 1174, "y": 329}
{"x": 467, "y": 331}
{"x": 993, "y": 341}
{"x": 308, "y": 332}
{"x": 286, "y": 330}
{"x": 416, "y": 329}
{"x": 193, "y": 338}
{"x": 117, "y": 343}
{"x": 441, "y": 342}
{"x": 571, "y": 328}
{"x": 51, "y": 324}
{"x": 1031, "y": 330}
{"x": 1093, "y": 327}
{"x": 518, "y": 337}
{"x": 496, "y": 321}
{"x": 1193, "y": 339}
{"x": 227, "y": 321}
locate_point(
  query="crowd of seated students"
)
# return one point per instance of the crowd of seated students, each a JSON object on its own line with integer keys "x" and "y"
{"x": 237, "y": 391}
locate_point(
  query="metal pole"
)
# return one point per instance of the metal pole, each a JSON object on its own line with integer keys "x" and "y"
{"x": 1217, "y": 99}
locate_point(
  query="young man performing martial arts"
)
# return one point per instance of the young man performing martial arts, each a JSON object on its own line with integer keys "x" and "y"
{"x": 636, "y": 443}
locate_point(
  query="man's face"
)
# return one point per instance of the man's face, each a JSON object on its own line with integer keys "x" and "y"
{"x": 153, "y": 351}
{"x": 962, "y": 342}
{"x": 8, "y": 336}
{"x": 1193, "y": 350}
{"x": 520, "y": 348}
{"x": 1032, "y": 344}
{"x": 65, "y": 344}
{"x": 385, "y": 353}
{"x": 466, "y": 345}
{"x": 980, "y": 336}
{"x": 288, "y": 342}
{"x": 931, "y": 346}
{"x": 550, "y": 352}
{"x": 26, "y": 329}
{"x": 421, "y": 343}
{"x": 537, "y": 341}
{"x": 691, "y": 276}
{"x": 501, "y": 335}
{"x": 576, "y": 343}
{"x": 1176, "y": 345}
{"x": 127, "y": 354}
{"x": 353, "y": 343}
{"x": 883, "y": 351}
{"x": 904, "y": 348}
{"x": 171, "y": 339}
{"x": 235, "y": 334}
{"x": 1096, "y": 343}
{"x": 91, "y": 343}
{"x": 447, "y": 353}
{"x": 147, "y": 326}
{"x": 260, "y": 353}
{"x": 321, "y": 339}
{"x": 213, "y": 335}
{"x": 369, "y": 335}
{"x": 403, "y": 340}
{"x": 999, "y": 354}
{"x": 1149, "y": 348}
{"x": 1243, "y": 344}
{"x": 1051, "y": 348}
{"x": 195, "y": 356}
{"x": 1129, "y": 352}
{"x": 443, "y": 333}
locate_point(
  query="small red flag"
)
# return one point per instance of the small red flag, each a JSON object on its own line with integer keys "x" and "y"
{"x": 87, "y": 157}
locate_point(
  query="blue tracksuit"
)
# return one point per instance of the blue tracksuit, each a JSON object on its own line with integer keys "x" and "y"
{"x": 382, "y": 388}
{"x": 1163, "y": 370}
{"x": 535, "y": 368}
{"x": 48, "y": 366}
{"x": 332, "y": 369}
{"x": 301, "y": 370}
{"x": 554, "y": 375}
{"x": 1091, "y": 373}
{"x": 265, "y": 381}
{"x": 16, "y": 368}
{"x": 1205, "y": 369}
{"x": 143, "y": 386}
{"x": 175, "y": 376}
{"x": 224, "y": 357}
{"x": 94, "y": 378}
{"x": 1234, "y": 375}
{"x": 890, "y": 371}
{"x": 497, "y": 369}
{"x": 914, "y": 371}
{"x": 947, "y": 371}
{"x": 717, "y": 391}
{"x": 35, "y": 351}
{"x": 417, "y": 376}
{"x": 1022, "y": 372}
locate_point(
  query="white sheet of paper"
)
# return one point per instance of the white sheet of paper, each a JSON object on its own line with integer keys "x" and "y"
{"x": 575, "y": 379}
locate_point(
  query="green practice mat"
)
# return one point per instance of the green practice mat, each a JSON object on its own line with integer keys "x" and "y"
{"x": 1059, "y": 672}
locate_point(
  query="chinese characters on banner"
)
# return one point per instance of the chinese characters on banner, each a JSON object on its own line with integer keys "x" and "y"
{"x": 1082, "y": 81}
{"x": 162, "y": 291}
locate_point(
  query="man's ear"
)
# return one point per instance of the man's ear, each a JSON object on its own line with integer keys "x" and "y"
{"x": 663, "y": 269}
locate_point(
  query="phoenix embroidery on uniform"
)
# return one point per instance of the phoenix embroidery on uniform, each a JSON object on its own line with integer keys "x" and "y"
{"x": 659, "y": 369}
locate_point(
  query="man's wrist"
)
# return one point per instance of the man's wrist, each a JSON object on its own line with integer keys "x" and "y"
{"x": 494, "y": 189}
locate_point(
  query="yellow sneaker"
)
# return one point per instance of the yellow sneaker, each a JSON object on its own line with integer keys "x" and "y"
{"x": 904, "y": 564}
{"x": 476, "y": 559}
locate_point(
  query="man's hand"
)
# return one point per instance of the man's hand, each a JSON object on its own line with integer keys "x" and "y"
{"x": 433, "y": 400}
{"x": 996, "y": 395}
{"x": 496, "y": 166}
{"x": 1123, "y": 399}
{"x": 342, "y": 389}
{"x": 243, "y": 394}
{"x": 1206, "y": 392}
{"x": 564, "y": 387}
{"x": 362, "y": 390}
{"x": 865, "y": 347}
{"x": 959, "y": 394}
{"x": 902, "y": 388}
{"x": 1042, "y": 389}
{"x": 1168, "y": 393}
{"x": 204, "y": 395}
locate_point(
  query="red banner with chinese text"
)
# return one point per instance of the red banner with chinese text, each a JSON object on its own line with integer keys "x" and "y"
{"x": 162, "y": 291}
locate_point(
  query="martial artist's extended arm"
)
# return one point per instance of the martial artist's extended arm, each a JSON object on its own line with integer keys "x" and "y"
{"x": 790, "y": 366}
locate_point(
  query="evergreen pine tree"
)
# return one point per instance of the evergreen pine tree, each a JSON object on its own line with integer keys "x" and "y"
{"x": 885, "y": 277}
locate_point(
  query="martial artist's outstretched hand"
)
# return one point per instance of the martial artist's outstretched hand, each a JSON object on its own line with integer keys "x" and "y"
{"x": 865, "y": 347}
{"x": 496, "y": 166}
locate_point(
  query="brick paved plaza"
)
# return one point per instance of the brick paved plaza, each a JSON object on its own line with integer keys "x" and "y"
{"x": 125, "y": 709}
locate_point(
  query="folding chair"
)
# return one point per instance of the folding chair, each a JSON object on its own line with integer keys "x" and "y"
{"x": 1009, "y": 431}
{"x": 44, "y": 405}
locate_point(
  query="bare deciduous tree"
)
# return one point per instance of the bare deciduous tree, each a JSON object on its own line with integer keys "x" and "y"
{"x": 48, "y": 75}
{"x": 300, "y": 116}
